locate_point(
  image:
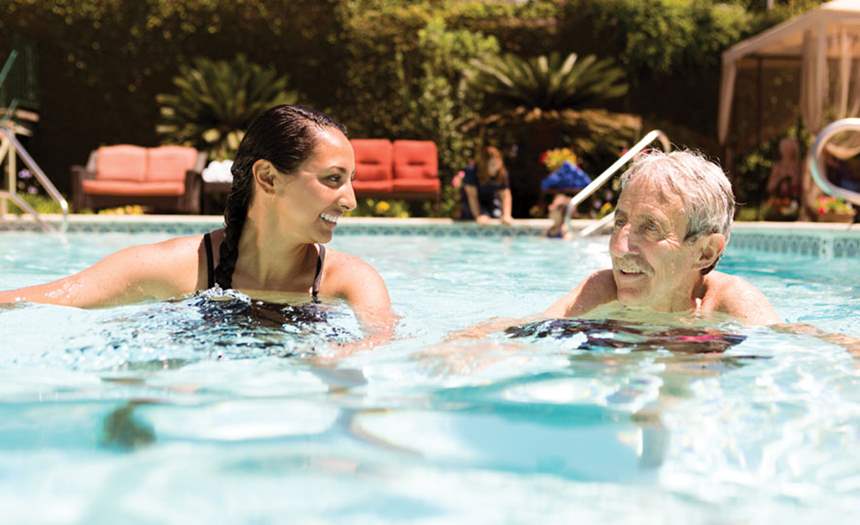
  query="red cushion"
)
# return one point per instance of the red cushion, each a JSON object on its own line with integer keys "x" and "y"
{"x": 417, "y": 185}
{"x": 169, "y": 163}
{"x": 375, "y": 186}
{"x": 415, "y": 159}
{"x": 134, "y": 189}
{"x": 121, "y": 163}
{"x": 372, "y": 159}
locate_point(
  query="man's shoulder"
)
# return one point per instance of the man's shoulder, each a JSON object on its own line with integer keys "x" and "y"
{"x": 739, "y": 298}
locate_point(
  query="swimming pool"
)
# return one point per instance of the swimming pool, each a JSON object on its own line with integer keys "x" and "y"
{"x": 154, "y": 413}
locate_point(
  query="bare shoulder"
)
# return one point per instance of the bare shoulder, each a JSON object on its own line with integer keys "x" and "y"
{"x": 738, "y": 298}
{"x": 171, "y": 266}
{"x": 353, "y": 279}
{"x": 342, "y": 271}
{"x": 595, "y": 290}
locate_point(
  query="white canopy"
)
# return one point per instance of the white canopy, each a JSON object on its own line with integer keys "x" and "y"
{"x": 830, "y": 32}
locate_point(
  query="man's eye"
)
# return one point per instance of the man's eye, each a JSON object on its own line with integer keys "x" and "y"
{"x": 333, "y": 178}
{"x": 650, "y": 227}
{"x": 619, "y": 222}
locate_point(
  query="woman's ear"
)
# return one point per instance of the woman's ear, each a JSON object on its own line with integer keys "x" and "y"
{"x": 264, "y": 175}
{"x": 710, "y": 249}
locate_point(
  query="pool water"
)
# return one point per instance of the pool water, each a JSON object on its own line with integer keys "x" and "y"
{"x": 178, "y": 412}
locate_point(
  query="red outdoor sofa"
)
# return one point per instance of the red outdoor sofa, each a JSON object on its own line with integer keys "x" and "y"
{"x": 404, "y": 169}
{"x": 167, "y": 178}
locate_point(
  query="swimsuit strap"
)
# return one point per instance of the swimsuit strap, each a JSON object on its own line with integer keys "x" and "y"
{"x": 315, "y": 290}
{"x": 210, "y": 266}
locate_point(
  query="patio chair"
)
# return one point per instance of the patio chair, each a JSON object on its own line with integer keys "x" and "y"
{"x": 166, "y": 178}
{"x": 373, "y": 167}
{"x": 416, "y": 169}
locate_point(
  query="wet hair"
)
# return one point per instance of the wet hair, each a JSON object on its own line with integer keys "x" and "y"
{"x": 283, "y": 135}
{"x": 703, "y": 187}
{"x": 491, "y": 153}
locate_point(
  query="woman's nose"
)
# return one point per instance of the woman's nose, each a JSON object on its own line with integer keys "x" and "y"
{"x": 346, "y": 199}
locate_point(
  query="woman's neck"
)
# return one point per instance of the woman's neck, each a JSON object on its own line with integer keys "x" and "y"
{"x": 270, "y": 259}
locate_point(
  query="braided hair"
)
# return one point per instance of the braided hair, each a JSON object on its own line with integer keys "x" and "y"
{"x": 285, "y": 136}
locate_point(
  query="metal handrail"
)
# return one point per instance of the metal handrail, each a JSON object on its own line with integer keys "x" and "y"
{"x": 603, "y": 178}
{"x": 10, "y": 146}
{"x": 816, "y": 163}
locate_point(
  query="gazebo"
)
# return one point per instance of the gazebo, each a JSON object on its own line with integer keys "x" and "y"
{"x": 826, "y": 43}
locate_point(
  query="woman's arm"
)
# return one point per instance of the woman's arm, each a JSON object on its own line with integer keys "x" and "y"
{"x": 472, "y": 201}
{"x": 155, "y": 271}
{"x": 351, "y": 278}
{"x": 507, "y": 205}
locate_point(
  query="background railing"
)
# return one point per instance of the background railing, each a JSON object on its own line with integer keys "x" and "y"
{"x": 817, "y": 164}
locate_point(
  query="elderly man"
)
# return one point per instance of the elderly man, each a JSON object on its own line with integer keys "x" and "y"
{"x": 671, "y": 226}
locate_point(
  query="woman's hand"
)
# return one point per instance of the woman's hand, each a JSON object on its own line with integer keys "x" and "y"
{"x": 507, "y": 220}
{"x": 483, "y": 219}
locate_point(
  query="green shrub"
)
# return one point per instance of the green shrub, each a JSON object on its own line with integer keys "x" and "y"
{"x": 380, "y": 208}
{"x": 41, "y": 203}
{"x": 216, "y": 100}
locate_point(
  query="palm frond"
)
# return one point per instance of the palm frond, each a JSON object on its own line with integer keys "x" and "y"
{"x": 215, "y": 100}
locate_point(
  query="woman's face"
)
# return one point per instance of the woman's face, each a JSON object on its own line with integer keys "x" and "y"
{"x": 312, "y": 199}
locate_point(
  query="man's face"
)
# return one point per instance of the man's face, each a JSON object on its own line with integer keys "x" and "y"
{"x": 651, "y": 264}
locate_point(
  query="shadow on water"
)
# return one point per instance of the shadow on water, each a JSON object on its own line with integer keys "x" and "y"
{"x": 122, "y": 431}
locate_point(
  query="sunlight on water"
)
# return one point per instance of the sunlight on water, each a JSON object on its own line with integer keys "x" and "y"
{"x": 215, "y": 405}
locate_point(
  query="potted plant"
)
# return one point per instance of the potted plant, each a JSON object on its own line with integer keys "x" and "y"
{"x": 831, "y": 209}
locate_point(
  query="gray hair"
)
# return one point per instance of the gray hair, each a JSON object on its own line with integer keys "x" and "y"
{"x": 703, "y": 187}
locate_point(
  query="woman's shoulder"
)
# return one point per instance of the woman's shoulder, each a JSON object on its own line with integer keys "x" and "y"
{"x": 343, "y": 270}
{"x": 338, "y": 262}
{"x": 175, "y": 262}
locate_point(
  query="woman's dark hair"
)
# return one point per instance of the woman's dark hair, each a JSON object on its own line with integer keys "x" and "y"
{"x": 488, "y": 154}
{"x": 285, "y": 136}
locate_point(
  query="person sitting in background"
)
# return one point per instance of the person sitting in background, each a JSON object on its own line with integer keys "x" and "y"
{"x": 557, "y": 209}
{"x": 485, "y": 189}
{"x": 783, "y": 184}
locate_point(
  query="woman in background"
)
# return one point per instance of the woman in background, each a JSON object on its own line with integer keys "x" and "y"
{"x": 485, "y": 188}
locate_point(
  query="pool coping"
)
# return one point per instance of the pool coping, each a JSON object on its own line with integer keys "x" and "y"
{"x": 826, "y": 240}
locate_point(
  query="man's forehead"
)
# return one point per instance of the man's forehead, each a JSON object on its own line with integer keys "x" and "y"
{"x": 652, "y": 197}
{"x": 653, "y": 189}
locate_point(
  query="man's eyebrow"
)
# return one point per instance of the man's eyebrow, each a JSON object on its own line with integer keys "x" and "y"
{"x": 338, "y": 168}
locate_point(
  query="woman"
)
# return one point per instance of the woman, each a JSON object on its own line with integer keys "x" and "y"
{"x": 292, "y": 181}
{"x": 485, "y": 184}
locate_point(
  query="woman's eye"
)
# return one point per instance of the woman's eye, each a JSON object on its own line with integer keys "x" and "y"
{"x": 333, "y": 178}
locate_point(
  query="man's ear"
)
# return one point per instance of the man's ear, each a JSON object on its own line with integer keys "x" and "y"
{"x": 711, "y": 247}
{"x": 264, "y": 175}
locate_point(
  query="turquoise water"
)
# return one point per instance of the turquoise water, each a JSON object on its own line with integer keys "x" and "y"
{"x": 160, "y": 413}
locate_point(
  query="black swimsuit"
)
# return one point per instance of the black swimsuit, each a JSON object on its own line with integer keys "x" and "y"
{"x": 210, "y": 266}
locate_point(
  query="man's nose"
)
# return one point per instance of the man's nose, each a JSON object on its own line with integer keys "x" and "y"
{"x": 346, "y": 200}
{"x": 621, "y": 242}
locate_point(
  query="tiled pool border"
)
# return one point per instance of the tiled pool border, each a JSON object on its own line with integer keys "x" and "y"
{"x": 807, "y": 239}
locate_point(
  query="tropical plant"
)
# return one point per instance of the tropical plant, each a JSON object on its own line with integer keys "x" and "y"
{"x": 548, "y": 82}
{"x": 216, "y": 100}
{"x": 535, "y": 103}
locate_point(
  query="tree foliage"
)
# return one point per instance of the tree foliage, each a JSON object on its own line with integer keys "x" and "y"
{"x": 547, "y": 82}
{"x": 215, "y": 101}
